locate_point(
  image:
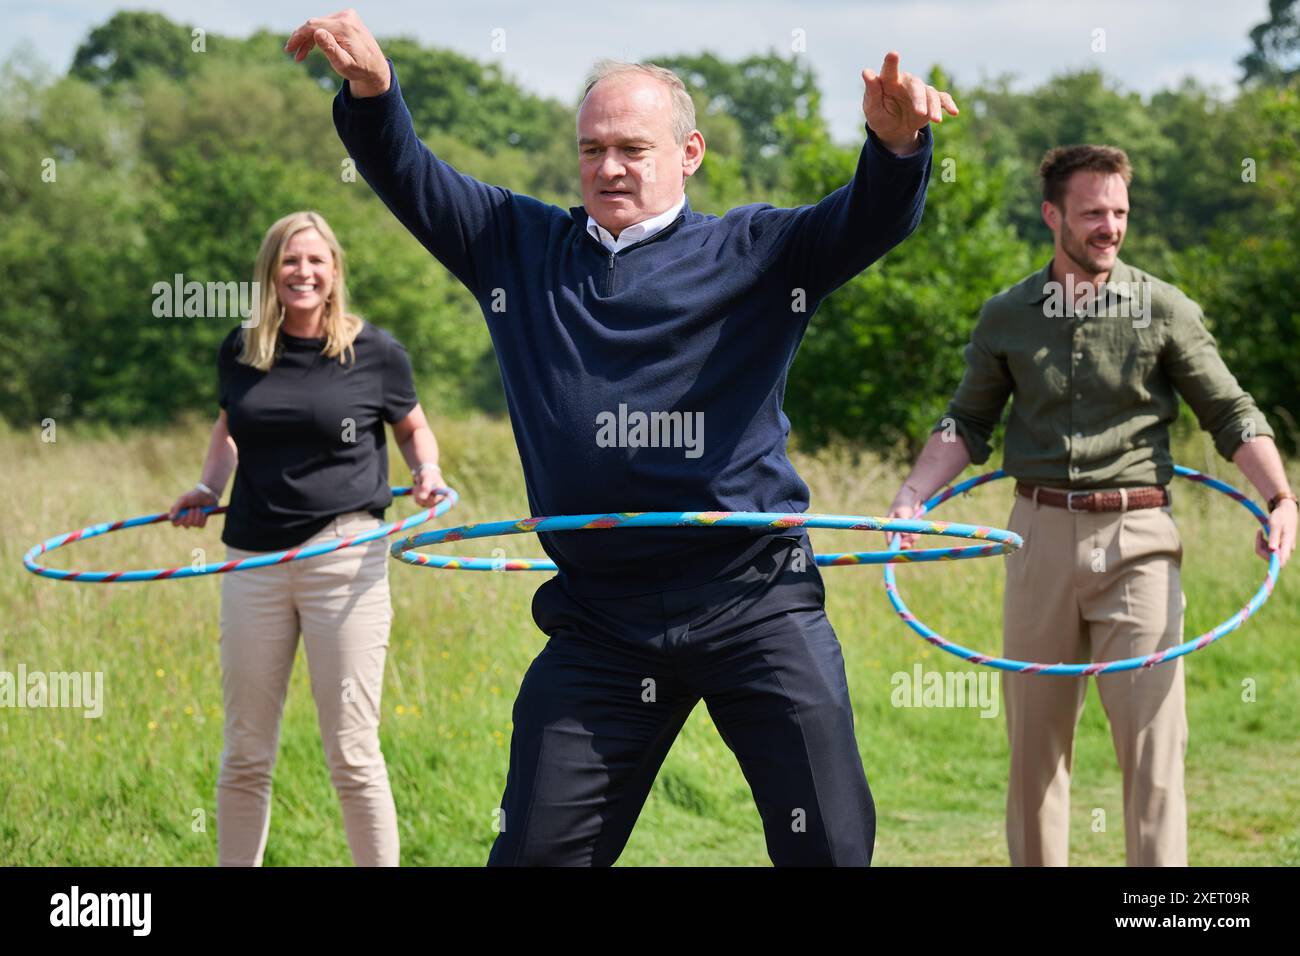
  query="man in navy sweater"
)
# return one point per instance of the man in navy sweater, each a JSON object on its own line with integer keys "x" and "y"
{"x": 644, "y": 349}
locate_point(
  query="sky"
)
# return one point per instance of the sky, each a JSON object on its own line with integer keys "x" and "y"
{"x": 548, "y": 47}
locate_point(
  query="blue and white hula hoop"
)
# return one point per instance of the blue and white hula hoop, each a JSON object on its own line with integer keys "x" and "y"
{"x": 1097, "y": 667}
{"x": 998, "y": 540}
{"x": 244, "y": 564}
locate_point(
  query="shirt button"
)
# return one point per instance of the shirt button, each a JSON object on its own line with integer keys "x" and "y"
{"x": 1078, "y": 395}
{"x": 1078, "y": 434}
{"x": 1078, "y": 356}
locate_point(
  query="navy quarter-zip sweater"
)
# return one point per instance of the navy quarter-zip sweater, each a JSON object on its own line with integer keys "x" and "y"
{"x": 702, "y": 319}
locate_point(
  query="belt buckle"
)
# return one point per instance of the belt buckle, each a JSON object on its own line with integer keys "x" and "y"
{"x": 1069, "y": 502}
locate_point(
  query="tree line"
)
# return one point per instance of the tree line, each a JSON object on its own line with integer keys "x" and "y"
{"x": 164, "y": 151}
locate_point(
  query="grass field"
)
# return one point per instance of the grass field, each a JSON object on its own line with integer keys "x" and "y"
{"x": 137, "y": 785}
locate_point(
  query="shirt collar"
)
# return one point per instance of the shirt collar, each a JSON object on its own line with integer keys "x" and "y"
{"x": 1119, "y": 282}
{"x": 1034, "y": 291}
{"x": 635, "y": 232}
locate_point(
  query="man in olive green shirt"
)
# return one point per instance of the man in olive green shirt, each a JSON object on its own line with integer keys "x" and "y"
{"x": 1094, "y": 354}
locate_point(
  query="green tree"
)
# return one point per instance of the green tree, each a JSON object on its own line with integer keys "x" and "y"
{"x": 1243, "y": 276}
{"x": 475, "y": 102}
{"x": 132, "y": 42}
{"x": 883, "y": 354}
{"x": 760, "y": 92}
{"x": 151, "y": 159}
{"x": 1275, "y": 54}
{"x": 72, "y": 250}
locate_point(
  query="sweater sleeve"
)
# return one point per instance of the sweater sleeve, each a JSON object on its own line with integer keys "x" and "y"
{"x": 453, "y": 215}
{"x": 823, "y": 246}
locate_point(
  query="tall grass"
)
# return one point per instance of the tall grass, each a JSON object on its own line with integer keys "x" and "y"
{"x": 137, "y": 785}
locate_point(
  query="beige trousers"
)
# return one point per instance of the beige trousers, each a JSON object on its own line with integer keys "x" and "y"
{"x": 340, "y": 604}
{"x": 1092, "y": 587}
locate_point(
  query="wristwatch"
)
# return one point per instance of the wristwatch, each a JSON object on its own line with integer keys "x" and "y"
{"x": 1280, "y": 497}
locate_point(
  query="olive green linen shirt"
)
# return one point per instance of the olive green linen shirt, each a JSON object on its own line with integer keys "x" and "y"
{"x": 1093, "y": 393}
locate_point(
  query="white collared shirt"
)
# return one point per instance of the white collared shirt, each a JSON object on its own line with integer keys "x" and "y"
{"x": 634, "y": 233}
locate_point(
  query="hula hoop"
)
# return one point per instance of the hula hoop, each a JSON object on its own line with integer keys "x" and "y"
{"x": 257, "y": 561}
{"x": 1000, "y": 541}
{"x": 1097, "y": 667}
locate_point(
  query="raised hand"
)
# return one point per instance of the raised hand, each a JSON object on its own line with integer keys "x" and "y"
{"x": 898, "y": 105}
{"x": 350, "y": 48}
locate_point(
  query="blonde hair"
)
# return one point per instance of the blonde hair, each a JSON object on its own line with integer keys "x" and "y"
{"x": 683, "y": 121}
{"x": 261, "y": 341}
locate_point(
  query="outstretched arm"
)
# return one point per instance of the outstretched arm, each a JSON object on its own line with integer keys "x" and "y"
{"x": 453, "y": 215}
{"x": 820, "y": 247}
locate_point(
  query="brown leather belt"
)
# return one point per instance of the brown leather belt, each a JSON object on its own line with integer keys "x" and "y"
{"x": 1125, "y": 499}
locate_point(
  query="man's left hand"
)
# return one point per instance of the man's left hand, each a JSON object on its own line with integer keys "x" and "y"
{"x": 1281, "y": 533}
{"x": 898, "y": 105}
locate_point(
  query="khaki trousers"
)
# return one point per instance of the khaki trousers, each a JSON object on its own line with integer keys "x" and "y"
{"x": 1092, "y": 587}
{"x": 340, "y": 604}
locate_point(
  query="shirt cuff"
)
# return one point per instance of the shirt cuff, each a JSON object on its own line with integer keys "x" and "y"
{"x": 1228, "y": 440}
{"x": 922, "y": 152}
{"x": 977, "y": 444}
{"x": 371, "y": 104}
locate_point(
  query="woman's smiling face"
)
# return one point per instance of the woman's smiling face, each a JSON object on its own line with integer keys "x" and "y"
{"x": 306, "y": 273}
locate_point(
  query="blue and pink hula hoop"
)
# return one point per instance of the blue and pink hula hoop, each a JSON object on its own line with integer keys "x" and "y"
{"x": 997, "y": 540}
{"x": 193, "y": 571}
{"x": 930, "y": 635}
{"x": 994, "y": 541}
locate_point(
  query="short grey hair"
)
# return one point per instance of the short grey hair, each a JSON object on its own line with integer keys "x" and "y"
{"x": 683, "y": 121}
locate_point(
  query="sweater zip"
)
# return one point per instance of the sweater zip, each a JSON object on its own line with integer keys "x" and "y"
{"x": 609, "y": 272}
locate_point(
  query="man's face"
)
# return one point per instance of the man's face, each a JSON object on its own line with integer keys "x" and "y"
{"x": 632, "y": 167}
{"x": 1091, "y": 227}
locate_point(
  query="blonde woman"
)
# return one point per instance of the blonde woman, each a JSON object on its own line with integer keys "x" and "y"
{"x": 304, "y": 395}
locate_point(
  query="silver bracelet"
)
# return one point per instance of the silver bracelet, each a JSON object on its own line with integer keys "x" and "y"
{"x": 207, "y": 491}
{"x": 423, "y": 467}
